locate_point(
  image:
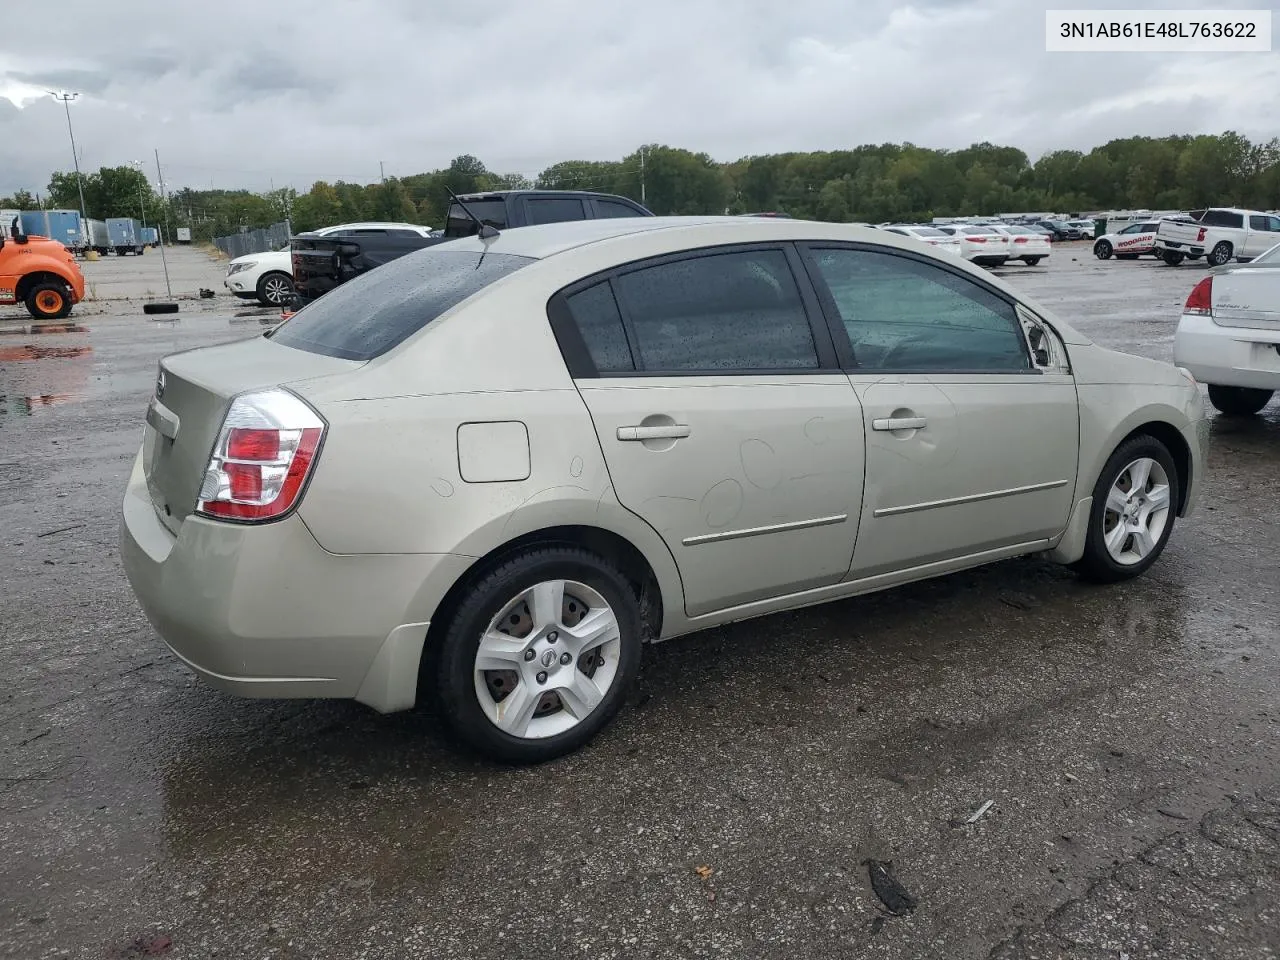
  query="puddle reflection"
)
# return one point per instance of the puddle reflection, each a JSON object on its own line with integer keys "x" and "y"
{"x": 32, "y": 352}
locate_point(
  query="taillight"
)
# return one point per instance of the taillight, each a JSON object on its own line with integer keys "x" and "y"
{"x": 1019, "y": 239}
{"x": 1200, "y": 235}
{"x": 264, "y": 453}
{"x": 976, "y": 239}
{"x": 1200, "y": 302}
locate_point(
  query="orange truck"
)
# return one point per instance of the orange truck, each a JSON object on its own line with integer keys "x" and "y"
{"x": 40, "y": 273}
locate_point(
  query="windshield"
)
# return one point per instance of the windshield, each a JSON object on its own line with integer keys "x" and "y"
{"x": 492, "y": 212}
{"x": 367, "y": 316}
{"x": 927, "y": 232}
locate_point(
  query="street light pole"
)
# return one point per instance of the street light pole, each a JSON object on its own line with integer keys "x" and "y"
{"x": 66, "y": 99}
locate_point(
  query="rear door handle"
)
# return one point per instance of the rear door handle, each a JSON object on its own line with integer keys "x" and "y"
{"x": 899, "y": 423}
{"x": 670, "y": 431}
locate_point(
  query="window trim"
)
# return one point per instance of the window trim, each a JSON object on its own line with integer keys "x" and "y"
{"x": 840, "y": 336}
{"x": 578, "y": 359}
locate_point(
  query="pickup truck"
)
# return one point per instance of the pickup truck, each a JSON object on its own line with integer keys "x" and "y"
{"x": 1218, "y": 234}
{"x": 322, "y": 263}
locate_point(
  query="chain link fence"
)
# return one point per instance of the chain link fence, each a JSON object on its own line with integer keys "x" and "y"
{"x": 254, "y": 241}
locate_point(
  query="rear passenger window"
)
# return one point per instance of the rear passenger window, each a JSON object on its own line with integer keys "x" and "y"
{"x": 554, "y": 209}
{"x": 1222, "y": 218}
{"x": 612, "y": 208}
{"x": 596, "y": 316}
{"x": 728, "y": 311}
{"x": 1264, "y": 223}
{"x": 904, "y": 314}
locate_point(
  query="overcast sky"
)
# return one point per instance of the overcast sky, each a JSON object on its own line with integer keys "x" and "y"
{"x": 244, "y": 93}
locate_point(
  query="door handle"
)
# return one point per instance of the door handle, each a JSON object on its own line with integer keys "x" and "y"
{"x": 899, "y": 423}
{"x": 670, "y": 431}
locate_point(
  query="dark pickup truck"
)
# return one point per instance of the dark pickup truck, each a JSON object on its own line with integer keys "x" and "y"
{"x": 322, "y": 263}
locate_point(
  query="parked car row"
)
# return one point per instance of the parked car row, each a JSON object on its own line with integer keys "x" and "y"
{"x": 988, "y": 244}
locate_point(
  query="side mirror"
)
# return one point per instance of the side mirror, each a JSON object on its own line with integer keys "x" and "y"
{"x": 16, "y": 230}
{"x": 1035, "y": 336}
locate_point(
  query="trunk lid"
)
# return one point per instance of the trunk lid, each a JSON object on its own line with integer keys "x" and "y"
{"x": 1247, "y": 298}
{"x": 193, "y": 391}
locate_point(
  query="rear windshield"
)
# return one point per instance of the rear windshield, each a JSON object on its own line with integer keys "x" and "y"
{"x": 978, "y": 231}
{"x": 370, "y": 314}
{"x": 927, "y": 232}
{"x": 492, "y": 212}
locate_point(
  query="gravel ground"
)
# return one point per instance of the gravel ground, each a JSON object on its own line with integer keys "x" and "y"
{"x": 1127, "y": 737}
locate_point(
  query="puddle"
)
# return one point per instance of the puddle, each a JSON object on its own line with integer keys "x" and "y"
{"x": 25, "y": 406}
{"x": 37, "y": 329}
{"x": 32, "y": 352}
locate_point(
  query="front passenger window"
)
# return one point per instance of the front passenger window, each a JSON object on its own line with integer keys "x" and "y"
{"x": 908, "y": 315}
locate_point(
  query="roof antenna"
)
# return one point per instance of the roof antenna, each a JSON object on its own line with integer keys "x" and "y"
{"x": 485, "y": 231}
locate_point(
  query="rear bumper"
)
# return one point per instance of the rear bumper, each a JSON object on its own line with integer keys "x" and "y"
{"x": 1228, "y": 356}
{"x": 265, "y": 611}
{"x": 1190, "y": 249}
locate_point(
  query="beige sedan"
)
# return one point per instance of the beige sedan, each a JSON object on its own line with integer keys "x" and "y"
{"x": 485, "y": 474}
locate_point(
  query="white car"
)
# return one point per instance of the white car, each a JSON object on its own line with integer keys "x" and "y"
{"x": 268, "y": 276}
{"x": 1127, "y": 244}
{"x": 1029, "y": 246}
{"x": 1087, "y": 228}
{"x": 930, "y": 235}
{"x": 1229, "y": 335}
{"x": 980, "y": 244}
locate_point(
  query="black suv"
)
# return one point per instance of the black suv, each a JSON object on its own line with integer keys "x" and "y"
{"x": 322, "y": 263}
{"x": 504, "y": 209}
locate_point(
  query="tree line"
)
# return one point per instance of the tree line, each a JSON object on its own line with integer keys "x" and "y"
{"x": 872, "y": 183}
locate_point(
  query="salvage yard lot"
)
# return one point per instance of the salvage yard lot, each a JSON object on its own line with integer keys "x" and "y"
{"x": 1129, "y": 737}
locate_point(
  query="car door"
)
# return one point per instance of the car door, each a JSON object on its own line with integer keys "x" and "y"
{"x": 724, "y": 419}
{"x": 1264, "y": 232}
{"x": 971, "y": 442}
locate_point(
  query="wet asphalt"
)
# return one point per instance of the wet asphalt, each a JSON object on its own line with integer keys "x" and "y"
{"x": 1127, "y": 737}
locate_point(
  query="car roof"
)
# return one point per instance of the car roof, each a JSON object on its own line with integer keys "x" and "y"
{"x": 497, "y": 194}
{"x": 370, "y": 225}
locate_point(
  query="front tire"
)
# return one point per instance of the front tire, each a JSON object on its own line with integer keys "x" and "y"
{"x": 1220, "y": 254}
{"x": 538, "y": 655}
{"x": 1134, "y": 503}
{"x": 48, "y": 301}
{"x": 1238, "y": 401}
{"x": 1172, "y": 257}
{"x": 1102, "y": 250}
{"x": 275, "y": 289}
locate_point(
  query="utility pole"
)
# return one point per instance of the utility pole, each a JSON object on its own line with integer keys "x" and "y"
{"x": 382, "y": 173}
{"x": 165, "y": 198}
{"x": 66, "y": 99}
{"x": 642, "y": 198}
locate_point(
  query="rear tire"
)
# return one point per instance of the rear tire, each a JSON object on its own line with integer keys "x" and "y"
{"x": 1099, "y": 564}
{"x": 1172, "y": 257}
{"x": 1238, "y": 401}
{"x": 48, "y": 301}
{"x": 467, "y": 695}
{"x": 1220, "y": 254}
{"x": 1031, "y": 261}
{"x": 1102, "y": 250}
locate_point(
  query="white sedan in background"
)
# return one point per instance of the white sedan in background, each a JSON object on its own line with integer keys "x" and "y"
{"x": 1129, "y": 243}
{"x": 268, "y": 276}
{"x": 1229, "y": 335}
{"x": 1029, "y": 246}
{"x": 930, "y": 235}
{"x": 1087, "y": 228}
{"x": 980, "y": 243}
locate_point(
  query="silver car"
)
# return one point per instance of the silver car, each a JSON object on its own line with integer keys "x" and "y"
{"x": 485, "y": 474}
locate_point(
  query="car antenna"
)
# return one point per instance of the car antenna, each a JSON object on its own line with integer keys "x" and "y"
{"x": 486, "y": 231}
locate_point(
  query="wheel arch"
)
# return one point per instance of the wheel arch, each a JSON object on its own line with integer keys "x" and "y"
{"x": 1173, "y": 440}
{"x": 30, "y": 280}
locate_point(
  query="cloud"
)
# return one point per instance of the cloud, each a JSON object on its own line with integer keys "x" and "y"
{"x": 246, "y": 93}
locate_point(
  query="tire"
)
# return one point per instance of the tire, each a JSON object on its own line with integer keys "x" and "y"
{"x": 275, "y": 289}
{"x": 468, "y": 697}
{"x": 1126, "y": 256}
{"x": 1238, "y": 401}
{"x": 1102, "y": 250}
{"x": 1220, "y": 254}
{"x": 48, "y": 301}
{"x": 1172, "y": 257}
{"x": 1130, "y": 555}
{"x": 1031, "y": 261}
